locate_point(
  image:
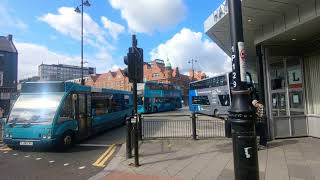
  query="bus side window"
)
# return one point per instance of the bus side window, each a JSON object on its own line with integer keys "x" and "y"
{"x": 67, "y": 110}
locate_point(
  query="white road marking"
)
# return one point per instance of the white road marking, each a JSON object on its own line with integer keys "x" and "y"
{"x": 15, "y": 154}
{"x": 38, "y": 159}
{"x": 51, "y": 161}
{"x": 5, "y": 152}
{"x": 94, "y": 145}
{"x": 27, "y": 156}
{"x": 66, "y": 164}
{"x": 82, "y": 167}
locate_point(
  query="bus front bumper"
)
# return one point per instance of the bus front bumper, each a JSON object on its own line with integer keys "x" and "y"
{"x": 31, "y": 143}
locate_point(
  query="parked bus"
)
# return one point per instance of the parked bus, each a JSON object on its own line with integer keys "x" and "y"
{"x": 158, "y": 97}
{"x": 211, "y": 96}
{"x": 49, "y": 114}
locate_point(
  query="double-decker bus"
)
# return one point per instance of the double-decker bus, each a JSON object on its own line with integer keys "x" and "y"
{"x": 48, "y": 114}
{"x": 158, "y": 97}
{"x": 211, "y": 96}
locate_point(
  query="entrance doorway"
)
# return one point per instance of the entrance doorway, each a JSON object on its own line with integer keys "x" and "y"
{"x": 286, "y": 95}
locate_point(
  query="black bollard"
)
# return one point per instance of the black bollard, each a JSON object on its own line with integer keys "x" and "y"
{"x": 194, "y": 126}
{"x": 136, "y": 145}
{"x": 129, "y": 138}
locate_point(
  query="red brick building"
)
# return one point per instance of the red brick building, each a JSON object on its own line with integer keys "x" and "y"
{"x": 156, "y": 70}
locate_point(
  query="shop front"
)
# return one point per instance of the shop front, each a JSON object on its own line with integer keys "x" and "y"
{"x": 282, "y": 40}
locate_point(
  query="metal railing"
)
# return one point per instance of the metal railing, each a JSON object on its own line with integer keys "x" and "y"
{"x": 180, "y": 126}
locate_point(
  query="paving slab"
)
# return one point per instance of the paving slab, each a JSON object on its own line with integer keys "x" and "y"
{"x": 285, "y": 159}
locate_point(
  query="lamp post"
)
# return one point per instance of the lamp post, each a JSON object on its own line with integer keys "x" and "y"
{"x": 86, "y": 3}
{"x": 192, "y": 61}
{"x": 241, "y": 113}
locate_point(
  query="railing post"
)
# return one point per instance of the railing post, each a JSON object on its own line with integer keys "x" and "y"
{"x": 194, "y": 126}
{"x": 136, "y": 144}
{"x": 129, "y": 138}
{"x": 139, "y": 120}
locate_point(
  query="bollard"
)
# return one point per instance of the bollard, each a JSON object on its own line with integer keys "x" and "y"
{"x": 140, "y": 126}
{"x": 129, "y": 138}
{"x": 136, "y": 145}
{"x": 194, "y": 126}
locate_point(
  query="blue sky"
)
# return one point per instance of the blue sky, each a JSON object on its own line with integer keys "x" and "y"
{"x": 49, "y": 32}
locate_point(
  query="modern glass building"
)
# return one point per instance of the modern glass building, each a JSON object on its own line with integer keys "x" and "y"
{"x": 62, "y": 72}
{"x": 282, "y": 41}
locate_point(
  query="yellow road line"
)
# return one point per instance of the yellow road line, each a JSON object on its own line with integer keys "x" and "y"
{"x": 103, "y": 155}
{"x": 101, "y": 164}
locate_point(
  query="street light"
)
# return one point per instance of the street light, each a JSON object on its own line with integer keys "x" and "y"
{"x": 77, "y": 10}
{"x": 192, "y": 61}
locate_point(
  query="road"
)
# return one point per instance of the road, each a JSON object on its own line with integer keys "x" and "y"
{"x": 89, "y": 157}
{"x": 75, "y": 163}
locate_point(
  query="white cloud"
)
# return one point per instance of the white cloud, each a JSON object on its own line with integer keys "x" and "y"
{"x": 114, "y": 28}
{"x": 68, "y": 22}
{"x": 32, "y": 55}
{"x": 186, "y": 45}
{"x": 9, "y": 20}
{"x": 146, "y": 16}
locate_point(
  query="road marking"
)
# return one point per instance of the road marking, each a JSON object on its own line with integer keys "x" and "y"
{"x": 51, "y": 161}
{"x": 38, "y": 159}
{"x": 27, "y": 156}
{"x": 94, "y": 145}
{"x": 105, "y": 156}
{"x": 15, "y": 154}
{"x": 5, "y": 149}
{"x": 66, "y": 164}
{"x": 108, "y": 154}
{"x": 82, "y": 167}
{"x": 5, "y": 152}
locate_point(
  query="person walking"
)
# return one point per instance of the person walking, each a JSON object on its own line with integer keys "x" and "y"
{"x": 260, "y": 124}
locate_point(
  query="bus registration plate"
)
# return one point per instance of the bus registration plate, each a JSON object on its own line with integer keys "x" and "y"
{"x": 26, "y": 143}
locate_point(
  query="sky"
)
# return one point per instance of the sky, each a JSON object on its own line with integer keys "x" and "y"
{"x": 50, "y": 32}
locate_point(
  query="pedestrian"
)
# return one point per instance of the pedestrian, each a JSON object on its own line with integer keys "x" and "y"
{"x": 260, "y": 124}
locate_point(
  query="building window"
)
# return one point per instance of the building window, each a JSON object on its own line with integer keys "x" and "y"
{"x": 155, "y": 75}
{"x": 1, "y": 78}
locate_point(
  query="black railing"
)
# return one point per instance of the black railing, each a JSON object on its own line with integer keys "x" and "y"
{"x": 180, "y": 126}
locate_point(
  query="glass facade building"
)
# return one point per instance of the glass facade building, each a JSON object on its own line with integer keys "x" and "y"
{"x": 62, "y": 72}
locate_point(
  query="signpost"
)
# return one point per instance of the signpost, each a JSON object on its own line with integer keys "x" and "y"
{"x": 244, "y": 140}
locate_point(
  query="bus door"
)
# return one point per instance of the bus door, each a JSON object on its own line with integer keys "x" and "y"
{"x": 82, "y": 114}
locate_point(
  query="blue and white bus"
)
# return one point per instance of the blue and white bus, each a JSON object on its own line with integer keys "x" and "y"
{"x": 49, "y": 114}
{"x": 211, "y": 96}
{"x": 157, "y": 97}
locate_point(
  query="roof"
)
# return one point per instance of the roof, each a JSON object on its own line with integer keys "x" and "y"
{"x": 7, "y": 45}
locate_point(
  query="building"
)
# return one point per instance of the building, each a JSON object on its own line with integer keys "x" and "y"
{"x": 282, "y": 46}
{"x": 30, "y": 79}
{"x": 110, "y": 80}
{"x": 62, "y": 72}
{"x": 8, "y": 72}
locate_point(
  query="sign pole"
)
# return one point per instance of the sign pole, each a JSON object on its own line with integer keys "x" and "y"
{"x": 241, "y": 114}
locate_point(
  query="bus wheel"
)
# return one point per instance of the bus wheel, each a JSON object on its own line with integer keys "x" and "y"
{"x": 66, "y": 140}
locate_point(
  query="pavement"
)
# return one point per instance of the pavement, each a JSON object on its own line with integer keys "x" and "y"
{"x": 286, "y": 159}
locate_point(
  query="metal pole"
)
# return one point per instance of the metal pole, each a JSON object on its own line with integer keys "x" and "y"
{"x": 245, "y": 153}
{"x": 192, "y": 71}
{"x": 82, "y": 80}
{"x": 194, "y": 126}
{"x": 129, "y": 139}
{"x": 140, "y": 126}
{"x": 136, "y": 145}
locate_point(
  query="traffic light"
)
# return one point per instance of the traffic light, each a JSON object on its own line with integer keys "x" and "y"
{"x": 129, "y": 60}
{"x": 134, "y": 61}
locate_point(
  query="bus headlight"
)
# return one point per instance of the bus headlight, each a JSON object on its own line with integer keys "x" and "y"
{"x": 47, "y": 135}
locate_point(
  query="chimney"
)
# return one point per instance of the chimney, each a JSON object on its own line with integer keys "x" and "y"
{"x": 9, "y": 37}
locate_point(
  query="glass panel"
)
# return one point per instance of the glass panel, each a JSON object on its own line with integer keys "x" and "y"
{"x": 277, "y": 75}
{"x": 35, "y": 108}
{"x": 279, "y": 107}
